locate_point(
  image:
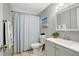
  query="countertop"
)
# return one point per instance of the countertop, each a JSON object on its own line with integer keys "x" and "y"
{"x": 65, "y": 43}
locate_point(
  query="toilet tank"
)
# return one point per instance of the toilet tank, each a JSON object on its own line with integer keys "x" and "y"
{"x": 42, "y": 38}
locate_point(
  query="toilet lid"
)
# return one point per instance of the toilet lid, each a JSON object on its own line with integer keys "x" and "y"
{"x": 36, "y": 45}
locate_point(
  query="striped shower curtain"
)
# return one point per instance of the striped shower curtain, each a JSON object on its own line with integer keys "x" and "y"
{"x": 26, "y": 31}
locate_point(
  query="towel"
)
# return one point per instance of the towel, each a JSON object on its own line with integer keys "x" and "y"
{"x": 9, "y": 34}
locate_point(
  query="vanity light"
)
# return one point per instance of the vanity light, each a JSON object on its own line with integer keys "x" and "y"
{"x": 62, "y": 6}
{"x": 59, "y": 6}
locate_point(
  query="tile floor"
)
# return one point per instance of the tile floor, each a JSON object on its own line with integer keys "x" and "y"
{"x": 29, "y": 53}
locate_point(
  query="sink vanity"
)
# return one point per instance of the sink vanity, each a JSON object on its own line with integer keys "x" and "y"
{"x": 67, "y": 19}
{"x": 61, "y": 47}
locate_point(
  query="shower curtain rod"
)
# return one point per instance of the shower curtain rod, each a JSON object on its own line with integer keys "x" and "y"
{"x": 24, "y": 13}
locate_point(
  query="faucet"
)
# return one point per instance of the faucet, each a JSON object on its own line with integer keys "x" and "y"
{"x": 66, "y": 37}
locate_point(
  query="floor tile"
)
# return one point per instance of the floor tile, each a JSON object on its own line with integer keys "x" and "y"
{"x": 29, "y": 53}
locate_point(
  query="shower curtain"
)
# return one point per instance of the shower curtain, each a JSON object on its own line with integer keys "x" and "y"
{"x": 25, "y": 30}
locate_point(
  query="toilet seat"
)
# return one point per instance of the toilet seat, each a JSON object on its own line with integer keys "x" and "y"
{"x": 36, "y": 45}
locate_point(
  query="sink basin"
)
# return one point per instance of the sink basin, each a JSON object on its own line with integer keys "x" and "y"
{"x": 64, "y": 42}
{"x": 69, "y": 42}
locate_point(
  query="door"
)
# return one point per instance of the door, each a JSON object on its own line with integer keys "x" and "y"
{"x": 49, "y": 48}
{"x": 5, "y": 49}
{"x": 1, "y": 30}
{"x": 6, "y": 46}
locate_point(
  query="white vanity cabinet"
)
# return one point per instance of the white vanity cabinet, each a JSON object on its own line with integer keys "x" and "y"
{"x": 53, "y": 49}
{"x": 62, "y": 51}
{"x": 49, "y": 48}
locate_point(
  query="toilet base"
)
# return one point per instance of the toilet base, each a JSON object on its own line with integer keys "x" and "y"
{"x": 37, "y": 51}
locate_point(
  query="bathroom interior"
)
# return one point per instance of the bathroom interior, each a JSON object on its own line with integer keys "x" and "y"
{"x": 39, "y": 29}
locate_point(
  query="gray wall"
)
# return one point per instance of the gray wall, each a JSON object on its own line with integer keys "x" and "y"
{"x": 50, "y": 12}
{"x": 7, "y": 11}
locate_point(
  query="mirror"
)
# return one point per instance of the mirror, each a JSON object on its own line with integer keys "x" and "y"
{"x": 68, "y": 18}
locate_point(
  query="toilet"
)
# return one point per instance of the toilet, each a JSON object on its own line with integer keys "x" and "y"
{"x": 37, "y": 47}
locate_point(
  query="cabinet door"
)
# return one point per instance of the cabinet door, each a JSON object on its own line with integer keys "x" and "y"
{"x": 73, "y": 19}
{"x": 49, "y": 48}
{"x": 78, "y": 18}
{"x": 61, "y": 51}
{"x": 65, "y": 18}
{"x": 59, "y": 19}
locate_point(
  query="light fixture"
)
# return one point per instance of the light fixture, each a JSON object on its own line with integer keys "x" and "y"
{"x": 62, "y": 6}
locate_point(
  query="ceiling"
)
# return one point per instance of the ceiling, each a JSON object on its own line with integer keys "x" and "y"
{"x": 30, "y": 8}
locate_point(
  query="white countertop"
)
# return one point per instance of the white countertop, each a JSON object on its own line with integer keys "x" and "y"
{"x": 65, "y": 43}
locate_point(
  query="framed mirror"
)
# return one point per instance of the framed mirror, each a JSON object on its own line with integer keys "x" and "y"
{"x": 68, "y": 18}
